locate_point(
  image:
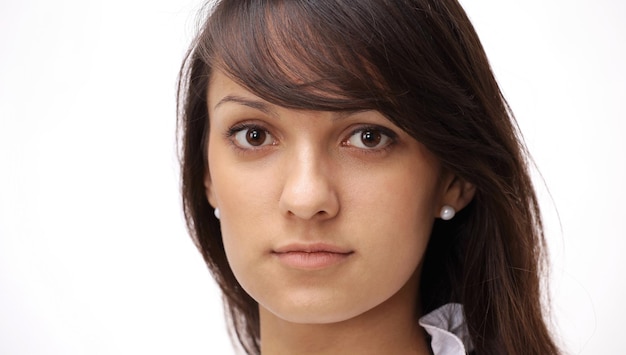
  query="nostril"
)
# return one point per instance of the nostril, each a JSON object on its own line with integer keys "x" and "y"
{"x": 320, "y": 204}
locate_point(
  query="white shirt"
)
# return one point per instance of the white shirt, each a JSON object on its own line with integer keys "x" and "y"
{"x": 448, "y": 331}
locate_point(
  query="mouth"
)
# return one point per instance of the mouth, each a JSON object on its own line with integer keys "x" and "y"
{"x": 311, "y": 256}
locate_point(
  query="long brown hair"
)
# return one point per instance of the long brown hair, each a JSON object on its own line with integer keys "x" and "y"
{"x": 421, "y": 64}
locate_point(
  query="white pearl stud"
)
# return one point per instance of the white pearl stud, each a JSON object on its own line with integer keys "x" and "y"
{"x": 447, "y": 212}
{"x": 216, "y": 212}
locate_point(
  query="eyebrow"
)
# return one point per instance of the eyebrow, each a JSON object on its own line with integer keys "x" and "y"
{"x": 267, "y": 109}
{"x": 255, "y": 104}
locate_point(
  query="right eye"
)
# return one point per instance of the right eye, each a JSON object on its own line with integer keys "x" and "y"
{"x": 251, "y": 137}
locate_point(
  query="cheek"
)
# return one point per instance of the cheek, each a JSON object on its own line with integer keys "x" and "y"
{"x": 392, "y": 225}
{"x": 242, "y": 190}
{"x": 242, "y": 232}
{"x": 403, "y": 202}
{"x": 243, "y": 197}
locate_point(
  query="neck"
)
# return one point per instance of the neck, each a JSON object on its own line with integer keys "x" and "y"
{"x": 389, "y": 328}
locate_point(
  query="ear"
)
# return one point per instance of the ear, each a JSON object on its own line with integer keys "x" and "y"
{"x": 457, "y": 193}
{"x": 208, "y": 188}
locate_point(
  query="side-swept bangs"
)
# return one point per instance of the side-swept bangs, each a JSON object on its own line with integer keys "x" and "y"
{"x": 301, "y": 54}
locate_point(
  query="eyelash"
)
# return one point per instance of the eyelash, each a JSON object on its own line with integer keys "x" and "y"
{"x": 391, "y": 136}
{"x": 240, "y": 127}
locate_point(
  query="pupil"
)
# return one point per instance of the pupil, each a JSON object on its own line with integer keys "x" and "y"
{"x": 370, "y": 138}
{"x": 255, "y": 137}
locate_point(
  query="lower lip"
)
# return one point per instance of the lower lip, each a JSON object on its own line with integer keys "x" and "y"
{"x": 311, "y": 260}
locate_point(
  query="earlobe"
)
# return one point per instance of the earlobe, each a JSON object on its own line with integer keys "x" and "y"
{"x": 458, "y": 193}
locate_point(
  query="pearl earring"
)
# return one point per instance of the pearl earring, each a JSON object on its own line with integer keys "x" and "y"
{"x": 447, "y": 212}
{"x": 216, "y": 212}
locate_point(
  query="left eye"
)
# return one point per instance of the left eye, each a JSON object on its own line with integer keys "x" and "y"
{"x": 369, "y": 138}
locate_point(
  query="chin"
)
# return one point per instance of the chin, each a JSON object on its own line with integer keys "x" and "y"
{"x": 319, "y": 310}
{"x": 312, "y": 316}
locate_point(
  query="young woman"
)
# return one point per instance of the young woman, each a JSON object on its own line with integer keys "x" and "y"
{"x": 356, "y": 182}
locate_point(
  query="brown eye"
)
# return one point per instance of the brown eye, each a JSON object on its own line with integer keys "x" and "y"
{"x": 252, "y": 137}
{"x": 256, "y": 137}
{"x": 370, "y": 138}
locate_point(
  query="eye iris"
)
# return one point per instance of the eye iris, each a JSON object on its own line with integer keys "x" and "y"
{"x": 256, "y": 137}
{"x": 371, "y": 138}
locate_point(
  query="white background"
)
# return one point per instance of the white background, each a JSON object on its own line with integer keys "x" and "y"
{"x": 94, "y": 256}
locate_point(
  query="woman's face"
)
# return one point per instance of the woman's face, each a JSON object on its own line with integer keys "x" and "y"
{"x": 324, "y": 215}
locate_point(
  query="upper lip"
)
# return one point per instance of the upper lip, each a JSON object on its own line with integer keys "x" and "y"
{"x": 312, "y": 248}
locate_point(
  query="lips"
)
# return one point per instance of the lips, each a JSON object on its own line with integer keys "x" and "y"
{"x": 311, "y": 256}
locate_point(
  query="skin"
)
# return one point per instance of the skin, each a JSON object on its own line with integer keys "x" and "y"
{"x": 353, "y": 181}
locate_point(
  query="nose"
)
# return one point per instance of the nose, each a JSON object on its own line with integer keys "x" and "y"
{"x": 309, "y": 190}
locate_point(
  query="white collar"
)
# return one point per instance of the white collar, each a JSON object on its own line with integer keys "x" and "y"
{"x": 448, "y": 331}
